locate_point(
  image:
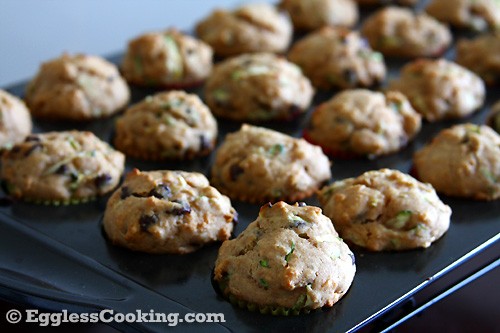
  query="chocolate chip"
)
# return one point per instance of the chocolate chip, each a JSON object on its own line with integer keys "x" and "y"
{"x": 15, "y": 149}
{"x": 32, "y": 138}
{"x": 145, "y": 221}
{"x": 183, "y": 210}
{"x": 125, "y": 193}
{"x": 350, "y": 76}
{"x": 269, "y": 205}
{"x": 302, "y": 204}
{"x": 353, "y": 259}
{"x": 294, "y": 110}
{"x": 161, "y": 191}
{"x": 235, "y": 171}
{"x": 189, "y": 51}
{"x": 204, "y": 143}
{"x": 35, "y": 146}
{"x": 102, "y": 180}
{"x": 62, "y": 170}
{"x": 235, "y": 218}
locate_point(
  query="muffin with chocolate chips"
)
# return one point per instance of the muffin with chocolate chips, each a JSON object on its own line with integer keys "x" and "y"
{"x": 290, "y": 260}
{"x": 257, "y": 165}
{"x": 360, "y": 122}
{"x": 440, "y": 89}
{"x": 482, "y": 56}
{"x": 168, "y": 125}
{"x": 258, "y": 87}
{"x": 76, "y": 87}
{"x": 61, "y": 167}
{"x": 338, "y": 58}
{"x": 386, "y": 210}
{"x": 462, "y": 161}
{"x": 314, "y": 14}
{"x": 399, "y": 32}
{"x": 256, "y": 27}
{"x": 167, "y": 212}
{"x": 15, "y": 120}
{"x": 167, "y": 59}
{"x": 478, "y": 15}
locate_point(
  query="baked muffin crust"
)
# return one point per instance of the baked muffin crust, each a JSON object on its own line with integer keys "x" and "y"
{"x": 257, "y": 165}
{"x": 290, "y": 257}
{"x": 386, "y": 210}
{"x": 167, "y": 212}
{"x": 15, "y": 120}
{"x": 76, "y": 87}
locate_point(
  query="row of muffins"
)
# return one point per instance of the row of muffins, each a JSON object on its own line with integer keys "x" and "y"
{"x": 177, "y": 198}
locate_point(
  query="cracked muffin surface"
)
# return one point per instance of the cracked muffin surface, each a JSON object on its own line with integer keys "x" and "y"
{"x": 167, "y": 125}
{"x": 167, "y": 211}
{"x": 338, "y": 58}
{"x": 258, "y": 87}
{"x": 478, "y": 15}
{"x": 314, "y": 14}
{"x": 61, "y": 167}
{"x": 462, "y": 161}
{"x": 167, "y": 59}
{"x": 363, "y": 123}
{"x": 15, "y": 120}
{"x": 482, "y": 56}
{"x": 257, "y": 27}
{"x": 399, "y": 32}
{"x": 385, "y": 210}
{"x": 289, "y": 258}
{"x": 256, "y": 164}
{"x": 440, "y": 89}
{"x": 76, "y": 87}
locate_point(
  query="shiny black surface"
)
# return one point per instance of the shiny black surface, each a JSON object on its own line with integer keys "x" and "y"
{"x": 58, "y": 257}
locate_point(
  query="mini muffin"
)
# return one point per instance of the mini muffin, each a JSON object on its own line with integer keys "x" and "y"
{"x": 61, "y": 167}
{"x": 258, "y": 87}
{"x": 399, "y": 32}
{"x": 440, "y": 89}
{"x": 482, "y": 56}
{"x": 257, "y": 165}
{"x": 386, "y": 210}
{"x": 462, "y": 161}
{"x": 385, "y": 2}
{"x": 167, "y": 59}
{"x": 314, "y": 14}
{"x": 471, "y": 14}
{"x": 167, "y": 212}
{"x": 338, "y": 58}
{"x": 168, "y": 125}
{"x": 256, "y": 27}
{"x": 15, "y": 120}
{"x": 363, "y": 123}
{"x": 289, "y": 260}
{"x": 493, "y": 119}
{"x": 77, "y": 87}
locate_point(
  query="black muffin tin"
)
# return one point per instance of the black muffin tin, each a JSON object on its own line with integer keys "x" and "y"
{"x": 58, "y": 257}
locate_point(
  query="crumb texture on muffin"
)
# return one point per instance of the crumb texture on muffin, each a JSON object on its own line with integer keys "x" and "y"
{"x": 289, "y": 257}
{"x": 167, "y": 125}
{"x": 15, "y": 120}
{"x": 256, "y": 27}
{"x": 386, "y": 210}
{"x": 258, "y": 87}
{"x": 440, "y": 89}
{"x": 167, "y": 59}
{"x": 77, "y": 87}
{"x": 338, "y": 58}
{"x": 167, "y": 211}
{"x": 258, "y": 165}
{"x": 61, "y": 166}
{"x": 462, "y": 161}
{"x": 363, "y": 123}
